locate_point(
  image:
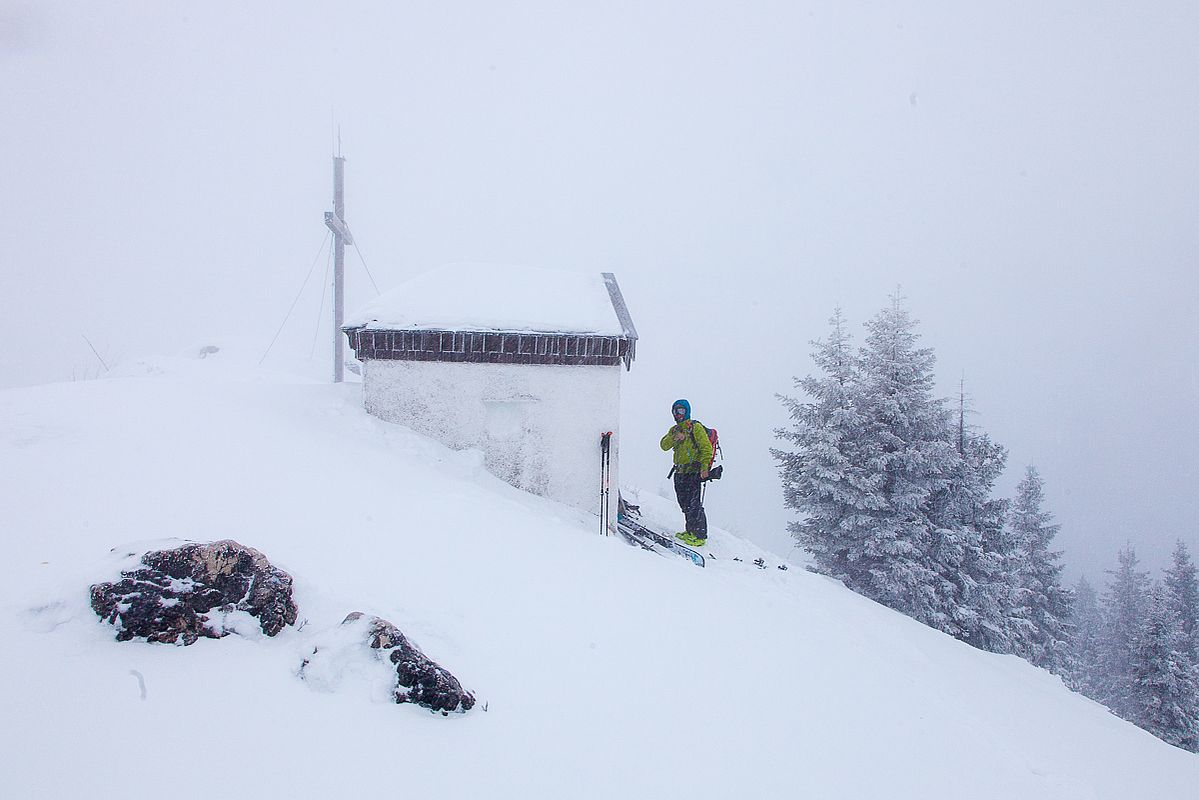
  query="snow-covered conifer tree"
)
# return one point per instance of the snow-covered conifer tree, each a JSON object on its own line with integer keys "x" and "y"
{"x": 906, "y": 434}
{"x": 825, "y": 477}
{"x": 1164, "y": 699}
{"x": 1086, "y": 625}
{"x": 970, "y": 546}
{"x": 1183, "y": 594}
{"x": 893, "y": 503}
{"x": 1124, "y": 605}
{"x": 1043, "y": 601}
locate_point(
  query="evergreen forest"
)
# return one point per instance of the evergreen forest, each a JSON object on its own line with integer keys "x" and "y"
{"x": 895, "y": 497}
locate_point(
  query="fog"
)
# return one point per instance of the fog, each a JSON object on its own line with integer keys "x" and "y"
{"x": 1028, "y": 176}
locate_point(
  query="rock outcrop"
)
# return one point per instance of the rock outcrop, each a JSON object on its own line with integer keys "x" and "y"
{"x": 417, "y": 679}
{"x": 197, "y": 590}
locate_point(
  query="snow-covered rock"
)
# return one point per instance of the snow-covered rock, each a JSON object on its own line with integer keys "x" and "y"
{"x": 362, "y": 643}
{"x": 197, "y": 590}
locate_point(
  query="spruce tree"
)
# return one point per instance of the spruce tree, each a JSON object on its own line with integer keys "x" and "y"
{"x": 1043, "y": 602}
{"x": 1163, "y": 677}
{"x": 1182, "y": 592}
{"x": 892, "y": 501}
{"x": 1125, "y": 607}
{"x": 970, "y": 545}
{"x": 909, "y": 451}
{"x": 1086, "y": 626}
{"x": 825, "y": 477}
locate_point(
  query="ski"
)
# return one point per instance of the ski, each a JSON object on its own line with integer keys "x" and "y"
{"x": 643, "y": 535}
{"x": 637, "y": 534}
{"x": 633, "y": 538}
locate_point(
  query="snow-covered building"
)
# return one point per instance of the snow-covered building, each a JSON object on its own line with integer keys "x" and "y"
{"x": 522, "y": 364}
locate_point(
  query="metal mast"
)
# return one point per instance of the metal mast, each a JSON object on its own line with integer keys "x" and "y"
{"x": 336, "y": 221}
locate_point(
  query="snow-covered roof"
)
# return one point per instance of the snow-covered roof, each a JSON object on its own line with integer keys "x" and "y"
{"x": 490, "y": 297}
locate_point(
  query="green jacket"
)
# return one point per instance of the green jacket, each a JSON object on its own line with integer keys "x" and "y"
{"x": 694, "y": 453}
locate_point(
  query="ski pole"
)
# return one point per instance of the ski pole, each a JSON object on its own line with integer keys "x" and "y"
{"x": 607, "y": 482}
{"x": 605, "y": 477}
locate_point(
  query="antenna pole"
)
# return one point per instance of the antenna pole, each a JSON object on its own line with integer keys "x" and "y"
{"x": 336, "y": 221}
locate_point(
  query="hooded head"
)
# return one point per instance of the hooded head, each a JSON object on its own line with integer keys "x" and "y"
{"x": 680, "y": 410}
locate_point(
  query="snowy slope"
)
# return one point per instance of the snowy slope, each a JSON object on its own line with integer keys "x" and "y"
{"x": 601, "y": 670}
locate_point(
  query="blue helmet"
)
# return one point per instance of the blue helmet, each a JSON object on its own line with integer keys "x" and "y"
{"x": 683, "y": 404}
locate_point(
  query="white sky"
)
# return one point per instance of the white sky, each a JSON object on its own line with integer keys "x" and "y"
{"x": 1028, "y": 174}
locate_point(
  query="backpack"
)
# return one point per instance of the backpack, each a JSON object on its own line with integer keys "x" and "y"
{"x": 714, "y": 473}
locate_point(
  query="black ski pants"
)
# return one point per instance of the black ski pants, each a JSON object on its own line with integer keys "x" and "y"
{"x": 687, "y": 489}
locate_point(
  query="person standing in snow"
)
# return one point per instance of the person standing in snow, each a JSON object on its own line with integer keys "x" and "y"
{"x": 692, "y": 457}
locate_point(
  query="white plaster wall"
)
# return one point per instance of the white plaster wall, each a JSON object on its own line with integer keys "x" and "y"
{"x": 538, "y": 426}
